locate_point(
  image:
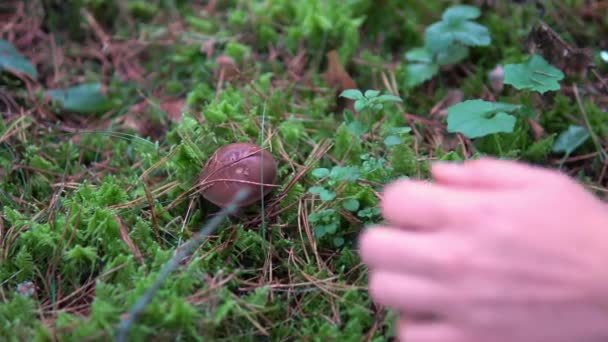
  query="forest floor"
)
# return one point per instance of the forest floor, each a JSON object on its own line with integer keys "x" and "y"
{"x": 110, "y": 110}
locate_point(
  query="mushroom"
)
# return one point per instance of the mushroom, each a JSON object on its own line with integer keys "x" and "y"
{"x": 234, "y": 167}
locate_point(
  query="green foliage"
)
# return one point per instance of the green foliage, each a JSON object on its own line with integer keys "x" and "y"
{"x": 477, "y": 118}
{"x": 13, "y": 61}
{"x": 534, "y": 74}
{"x": 18, "y": 319}
{"x": 83, "y": 98}
{"x": 571, "y": 139}
{"x": 456, "y": 31}
{"x": 88, "y": 217}
{"x": 422, "y": 67}
{"x": 321, "y": 24}
{"x": 539, "y": 150}
{"x": 445, "y": 42}
{"x": 371, "y": 100}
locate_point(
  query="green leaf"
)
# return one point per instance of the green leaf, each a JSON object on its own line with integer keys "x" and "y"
{"x": 418, "y": 73}
{"x": 360, "y": 105}
{"x": 461, "y": 12}
{"x": 371, "y": 93}
{"x": 351, "y": 204}
{"x": 477, "y": 118}
{"x": 320, "y": 172}
{"x": 571, "y": 139}
{"x": 13, "y": 61}
{"x": 392, "y": 140}
{"x": 344, "y": 173}
{"x": 452, "y": 54}
{"x": 324, "y": 194}
{"x": 388, "y": 98}
{"x": 419, "y": 55}
{"x": 441, "y": 35}
{"x": 327, "y": 195}
{"x": 352, "y": 94}
{"x": 316, "y": 190}
{"x": 535, "y": 74}
{"x": 84, "y": 98}
{"x": 320, "y": 231}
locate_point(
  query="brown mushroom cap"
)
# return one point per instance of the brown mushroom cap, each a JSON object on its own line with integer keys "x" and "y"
{"x": 234, "y": 167}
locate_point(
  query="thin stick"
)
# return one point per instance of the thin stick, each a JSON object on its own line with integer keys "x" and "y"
{"x": 173, "y": 264}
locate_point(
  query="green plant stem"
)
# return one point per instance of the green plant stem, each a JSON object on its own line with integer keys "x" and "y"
{"x": 498, "y": 145}
{"x": 182, "y": 252}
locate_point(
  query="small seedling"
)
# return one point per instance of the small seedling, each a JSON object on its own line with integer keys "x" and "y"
{"x": 446, "y": 42}
{"x": 371, "y": 100}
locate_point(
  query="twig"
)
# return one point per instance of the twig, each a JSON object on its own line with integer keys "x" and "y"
{"x": 173, "y": 264}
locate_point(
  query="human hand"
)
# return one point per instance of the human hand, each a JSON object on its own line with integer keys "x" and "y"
{"x": 494, "y": 251}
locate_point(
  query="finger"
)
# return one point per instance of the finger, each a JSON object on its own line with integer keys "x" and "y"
{"x": 413, "y": 295}
{"x": 426, "y": 206}
{"x": 433, "y": 332}
{"x": 440, "y": 256}
{"x": 487, "y": 173}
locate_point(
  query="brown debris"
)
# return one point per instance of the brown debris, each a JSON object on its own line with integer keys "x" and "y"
{"x": 544, "y": 41}
{"x": 124, "y": 234}
{"x": 453, "y": 97}
{"x": 173, "y": 108}
{"x": 227, "y": 67}
{"x": 337, "y": 78}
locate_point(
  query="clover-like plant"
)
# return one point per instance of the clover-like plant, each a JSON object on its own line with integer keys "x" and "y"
{"x": 446, "y": 42}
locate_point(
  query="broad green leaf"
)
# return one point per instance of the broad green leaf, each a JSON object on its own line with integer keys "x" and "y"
{"x": 570, "y": 139}
{"x": 392, "y": 140}
{"x": 13, "y": 60}
{"x": 338, "y": 242}
{"x": 320, "y": 172}
{"x": 331, "y": 228}
{"x": 461, "y": 12}
{"x": 418, "y": 73}
{"x": 352, "y": 94}
{"x": 84, "y": 98}
{"x": 351, "y": 204}
{"x": 452, "y": 54}
{"x": 371, "y": 93}
{"x": 327, "y": 195}
{"x": 316, "y": 190}
{"x": 477, "y": 118}
{"x": 344, "y": 173}
{"x": 441, "y": 35}
{"x": 535, "y": 74}
{"x": 419, "y": 55}
{"x": 324, "y": 194}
